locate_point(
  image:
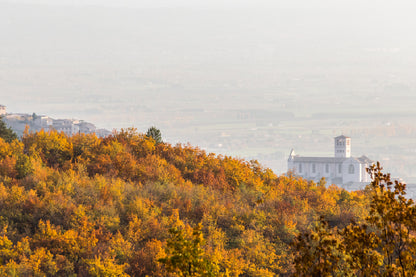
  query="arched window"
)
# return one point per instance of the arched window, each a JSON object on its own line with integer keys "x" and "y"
{"x": 351, "y": 169}
{"x": 300, "y": 168}
{"x": 340, "y": 168}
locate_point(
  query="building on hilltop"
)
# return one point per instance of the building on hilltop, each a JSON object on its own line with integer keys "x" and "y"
{"x": 342, "y": 169}
{"x": 86, "y": 127}
{"x": 42, "y": 121}
{"x": 2, "y": 110}
{"x": 19, "y": 121}
{"x": 67, "y": 126}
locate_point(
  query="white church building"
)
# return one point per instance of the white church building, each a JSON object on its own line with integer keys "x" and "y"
{"x": 342, "y": 169}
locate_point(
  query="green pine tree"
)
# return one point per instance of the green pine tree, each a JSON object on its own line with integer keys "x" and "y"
{"x": 154, "y": 133}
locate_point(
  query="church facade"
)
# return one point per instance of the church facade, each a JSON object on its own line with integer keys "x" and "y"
{"x": 342, "y": 169}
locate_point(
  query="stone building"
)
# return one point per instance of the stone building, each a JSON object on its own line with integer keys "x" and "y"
{"x": 2, "y": 110}
{"x": 42, "y": 121}
{"x": 342, "y": 169}
{"x": 67, "y": 126}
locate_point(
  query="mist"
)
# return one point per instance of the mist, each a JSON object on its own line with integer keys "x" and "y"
{"x": 245, "y": 78}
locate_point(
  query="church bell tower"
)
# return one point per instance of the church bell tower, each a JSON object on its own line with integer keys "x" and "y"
{"x": 342, "y": 147}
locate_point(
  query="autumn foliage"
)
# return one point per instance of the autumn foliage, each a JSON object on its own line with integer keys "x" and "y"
{"x": 125, "y": 205}
{"x": 384, "y": 244}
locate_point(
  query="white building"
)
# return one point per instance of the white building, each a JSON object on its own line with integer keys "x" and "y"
{"x": 67, "y": 126}
{"x": 2, "y": 110}
{"x": 86, "y": 127}
{"x": 342, "y": 169}
{"x": 42, "y": 121}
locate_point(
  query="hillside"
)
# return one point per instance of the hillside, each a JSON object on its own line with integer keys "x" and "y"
{"x": 125, "y": 205}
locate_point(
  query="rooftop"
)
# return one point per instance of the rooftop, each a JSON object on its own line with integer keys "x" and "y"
{"x": 319, "y": 159}
{"x": 362, "y": 159}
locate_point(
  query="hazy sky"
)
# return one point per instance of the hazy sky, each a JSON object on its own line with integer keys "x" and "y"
{"x": 71, "y": 58}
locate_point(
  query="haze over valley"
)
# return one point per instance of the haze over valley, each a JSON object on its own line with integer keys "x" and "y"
{"x": 246, "y": 79}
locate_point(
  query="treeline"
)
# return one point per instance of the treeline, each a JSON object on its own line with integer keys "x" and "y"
{"x": 127, "y": 205}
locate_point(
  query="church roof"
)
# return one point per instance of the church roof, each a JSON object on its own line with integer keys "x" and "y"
{"x": 361, "y": 160}
{"x": 342, "y": 136}
{"x": 319, "y": 159}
